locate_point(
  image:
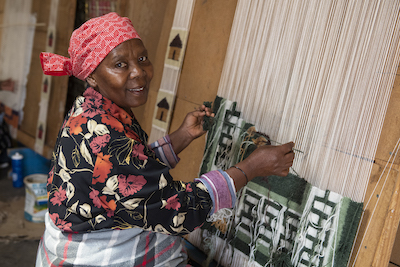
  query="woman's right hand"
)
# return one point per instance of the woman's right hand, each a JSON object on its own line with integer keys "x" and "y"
{"x": 264, "y": 161}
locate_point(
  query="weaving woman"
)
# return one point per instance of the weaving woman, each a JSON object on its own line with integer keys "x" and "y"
{"x": 112, "y": 201}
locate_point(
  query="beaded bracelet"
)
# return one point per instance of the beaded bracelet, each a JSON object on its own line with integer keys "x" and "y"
{"x": 247, "y": 180}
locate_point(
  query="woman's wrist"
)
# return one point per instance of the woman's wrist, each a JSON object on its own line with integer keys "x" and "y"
{"x": 180, "y": 139}
{"x": 240, "y": 175}
{"x": 245, "y": 175}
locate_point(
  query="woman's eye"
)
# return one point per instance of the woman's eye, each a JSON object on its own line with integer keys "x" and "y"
{"x": 120, "y": 65}
{"x": 143, "y": 58}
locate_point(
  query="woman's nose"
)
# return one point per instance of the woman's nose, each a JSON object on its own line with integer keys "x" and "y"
{"x": 136, "y": 71}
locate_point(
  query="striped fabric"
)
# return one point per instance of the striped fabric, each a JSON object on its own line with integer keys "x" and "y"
{"x": 218, "y": 183}
{"x": 164, "y": 151}
{"x": 130, "y": 247}
{"x": 220, "y": 186}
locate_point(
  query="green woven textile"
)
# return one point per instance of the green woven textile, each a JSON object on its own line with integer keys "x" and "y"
{"x": 278, "y": 221}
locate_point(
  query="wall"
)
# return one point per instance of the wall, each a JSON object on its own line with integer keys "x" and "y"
{"x": 65, "y": 22}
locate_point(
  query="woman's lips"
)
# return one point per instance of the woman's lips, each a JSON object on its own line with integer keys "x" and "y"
{"x": 136, "y": 89}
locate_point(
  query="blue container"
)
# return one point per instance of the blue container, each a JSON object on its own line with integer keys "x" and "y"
{"x": 17, "y": 170}
{"x": 33, "y": 163}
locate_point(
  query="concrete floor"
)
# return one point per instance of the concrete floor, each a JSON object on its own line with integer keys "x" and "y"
{"x": 19, "y": 238}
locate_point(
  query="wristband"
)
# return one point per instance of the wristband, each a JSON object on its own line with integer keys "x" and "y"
{"x": 247, "y": 180}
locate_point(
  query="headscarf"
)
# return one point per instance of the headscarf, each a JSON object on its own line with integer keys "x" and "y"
{"x": 89, "y": 45}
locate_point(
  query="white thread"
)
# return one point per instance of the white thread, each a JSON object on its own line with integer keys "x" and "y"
{"x": 394, "y": 152}
{"x": 319, "y": 73}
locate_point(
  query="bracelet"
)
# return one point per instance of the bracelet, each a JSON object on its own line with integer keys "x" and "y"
{"x": 247, "y": 180}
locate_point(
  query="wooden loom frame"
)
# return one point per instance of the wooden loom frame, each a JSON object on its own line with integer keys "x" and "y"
{"x": 380, "y": 221}
{"x": 375, "y": 245}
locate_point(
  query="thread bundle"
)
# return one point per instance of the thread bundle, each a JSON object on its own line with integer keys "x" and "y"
{"x": 318, "y": 73}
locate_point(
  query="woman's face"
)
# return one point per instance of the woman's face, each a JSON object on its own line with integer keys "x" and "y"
{"x": 124, "y": 75}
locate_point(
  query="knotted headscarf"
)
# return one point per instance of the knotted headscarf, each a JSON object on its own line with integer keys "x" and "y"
{"x": 89, "y": 45}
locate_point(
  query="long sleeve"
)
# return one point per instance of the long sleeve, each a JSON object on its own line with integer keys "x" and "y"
{"x": 164, "y": 151}
{"x": 105, "y": 175}
{"x": 218, "y": 183}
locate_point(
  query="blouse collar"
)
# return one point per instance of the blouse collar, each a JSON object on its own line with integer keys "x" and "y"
{"x": 109, "y": 106}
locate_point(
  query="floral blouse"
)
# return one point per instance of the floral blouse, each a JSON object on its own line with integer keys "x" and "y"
{"x": 105, "y": 176}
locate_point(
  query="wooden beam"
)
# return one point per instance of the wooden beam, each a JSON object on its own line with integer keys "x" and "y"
{"x": 378, "y": 227}
{"x": 29, "y": 141}
{"x": 387, "y": 238}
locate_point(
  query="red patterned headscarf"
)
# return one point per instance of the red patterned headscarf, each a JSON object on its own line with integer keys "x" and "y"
{"x": 89, "y": 45}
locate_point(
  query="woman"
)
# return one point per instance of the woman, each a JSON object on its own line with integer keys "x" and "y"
{"x": 112, "y": 201}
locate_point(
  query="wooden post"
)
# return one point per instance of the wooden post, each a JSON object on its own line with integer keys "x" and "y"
{"x": 374, "y": 243}
{"x": 388, "y": 234}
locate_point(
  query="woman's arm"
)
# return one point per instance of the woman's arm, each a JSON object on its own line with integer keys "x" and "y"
{"x": 264, "y": 161}
{"x": 191, "y": 128}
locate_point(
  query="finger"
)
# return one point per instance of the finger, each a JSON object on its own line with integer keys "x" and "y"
{"x": 203, "y": 108}
{"x": 198, "y": 113}
{"x": 200, "y": 108}
{"x": 288, "y": 164}
{"x": 288, "y": 147}
{"x": 210, "y": 114}
{"x": 290, "y": 155}
{"x": 208, "y": 110}
{"x": 284, "y": 172}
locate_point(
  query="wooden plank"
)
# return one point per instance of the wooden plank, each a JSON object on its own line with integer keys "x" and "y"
{"x": 395, "y": 257}
{"x": 378, "y": 228}
{"x": 29, "y": 141}
{"x": 56, "y": 109}
{"x": 33, "y": 86}
{"x": 206, "y": 50}
{"x": 59, "y": 87}
{"x": 373, "y": 221}
{"x": 204, "y": 58}
{"x": 156, "y": 41}
{"x": 387, "y": 238}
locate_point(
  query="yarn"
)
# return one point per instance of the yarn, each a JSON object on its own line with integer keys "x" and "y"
{"x": 277, "y": 220}
{"x": 281, "y": 259}
{"x": 318, "y": 73}
{"x": 208, "y": 121}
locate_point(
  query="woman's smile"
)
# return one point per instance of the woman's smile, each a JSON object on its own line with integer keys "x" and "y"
{"x": 140, "y": 89}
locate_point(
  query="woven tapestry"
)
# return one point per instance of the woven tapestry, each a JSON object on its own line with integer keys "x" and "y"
{"x": 172, "y": 69}
{"x": 278, "y": 221}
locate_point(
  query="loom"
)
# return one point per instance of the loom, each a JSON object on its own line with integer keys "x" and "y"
{"x": 321, "y": 74}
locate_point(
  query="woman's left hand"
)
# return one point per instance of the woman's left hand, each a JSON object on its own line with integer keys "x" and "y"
{"x": 193, "y": 122}
{"x": 191, "y": 128}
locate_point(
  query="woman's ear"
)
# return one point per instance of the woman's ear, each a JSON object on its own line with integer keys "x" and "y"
{"x": 91, "y": 81}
